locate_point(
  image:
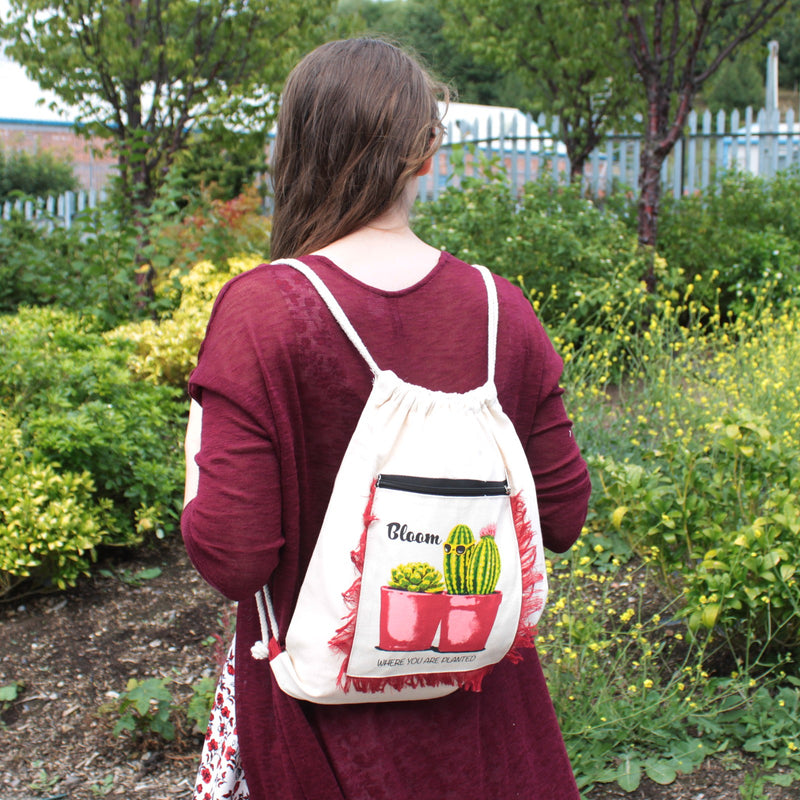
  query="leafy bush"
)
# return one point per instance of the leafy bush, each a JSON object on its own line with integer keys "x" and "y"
{"x": 146, "y": 707}
{"x": 166, "y": 351}
{"x": 184, "y": 229}
{"x": 224, "y": 162}
{"x": 34, "y": 175}
{"x": 549, "y": 235}
{"x": 746, "y": 230}
{"x": 92, "y": 267}
{"x": 634, "y": 695}
{"x": 701, "y": 462}
{"x": 50, "y": 522}
{"x": 80, "y": 407}
{"x": 149, "y": 707}
{"x": 89, "y": 267}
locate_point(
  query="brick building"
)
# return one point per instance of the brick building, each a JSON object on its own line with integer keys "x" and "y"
{"x": 28, "y": 123}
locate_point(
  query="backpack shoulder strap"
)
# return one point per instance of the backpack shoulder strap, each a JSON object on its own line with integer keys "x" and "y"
{"x": 494, "y": 315}
{"x": 344, "y": 323}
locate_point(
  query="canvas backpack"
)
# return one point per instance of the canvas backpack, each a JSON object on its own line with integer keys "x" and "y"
{"x": 429, "y": 566}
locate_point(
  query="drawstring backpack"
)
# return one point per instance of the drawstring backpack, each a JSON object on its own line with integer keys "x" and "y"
{"x": 429, "y": 567}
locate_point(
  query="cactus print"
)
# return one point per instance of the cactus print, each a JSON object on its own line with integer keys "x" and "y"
{"x": 456, "y": 558}
{"x": 483, "y": 570}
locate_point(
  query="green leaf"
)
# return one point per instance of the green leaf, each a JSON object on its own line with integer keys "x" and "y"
{"x": 629, "y": 774}
{"x": 147, "y": 574}
{"x": 9, "y": 693}
{"x": 662, "y": 772}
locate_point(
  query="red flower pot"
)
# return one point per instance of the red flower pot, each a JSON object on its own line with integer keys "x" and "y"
{"x": 409, "y": 620}
{"x": 467, "y": 621}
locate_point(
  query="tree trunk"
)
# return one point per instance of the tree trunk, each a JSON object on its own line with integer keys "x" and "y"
{"x": 650, "y": 164}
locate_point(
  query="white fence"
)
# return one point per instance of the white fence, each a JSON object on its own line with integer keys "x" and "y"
{"x": 760, "y": 143}
{"x": 62, "y": 209}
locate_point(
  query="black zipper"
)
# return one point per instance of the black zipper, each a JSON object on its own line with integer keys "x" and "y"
{"x": 446, "y": 487}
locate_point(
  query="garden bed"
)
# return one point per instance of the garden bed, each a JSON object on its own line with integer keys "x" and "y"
{"x": 74, "y": 651}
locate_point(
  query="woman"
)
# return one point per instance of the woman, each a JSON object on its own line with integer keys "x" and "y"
{"x": 281, "y": 390}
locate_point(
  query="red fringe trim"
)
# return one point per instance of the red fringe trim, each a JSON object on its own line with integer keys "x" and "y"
{"x": 532, "y": 601}
{"x": 343, "y": 638}
{"x": 465, "y": 680}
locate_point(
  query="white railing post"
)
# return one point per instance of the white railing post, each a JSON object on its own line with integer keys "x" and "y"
{"x": 705, "y": 168}
{"x": 691, "y": 154}
{"x": 719, "y": 143}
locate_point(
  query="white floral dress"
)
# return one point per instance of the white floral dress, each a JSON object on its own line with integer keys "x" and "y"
{"x": 220, "y": 776}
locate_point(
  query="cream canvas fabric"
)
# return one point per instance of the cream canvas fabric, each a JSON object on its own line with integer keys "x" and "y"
{"x": 427, "y": 480}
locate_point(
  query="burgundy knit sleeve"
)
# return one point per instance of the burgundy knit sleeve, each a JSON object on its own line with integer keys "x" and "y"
{"x": 559, "y": 471}
{"x": 232, "y": 529}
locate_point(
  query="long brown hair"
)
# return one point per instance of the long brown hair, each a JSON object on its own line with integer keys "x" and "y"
{"x": 358, "y": 119}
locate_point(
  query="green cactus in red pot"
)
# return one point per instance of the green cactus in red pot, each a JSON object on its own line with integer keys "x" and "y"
{"x": 416, "y": 577}
{"x": 457, "y": 551}
{"x": 483, "y": 570}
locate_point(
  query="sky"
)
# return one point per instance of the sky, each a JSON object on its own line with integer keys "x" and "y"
{"x": 19, "y": 94}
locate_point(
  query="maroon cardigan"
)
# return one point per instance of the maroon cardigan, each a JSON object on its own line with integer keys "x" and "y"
{"x": 282, "y": 390}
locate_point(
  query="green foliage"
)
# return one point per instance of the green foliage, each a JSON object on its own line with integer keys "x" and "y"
{"x": 92, "y": 267}
{"x": 416, "y": 577}
{"x": 700, "y": 462}
{"x": 629, "y": 690}
{"x": 216, "y": 64}
{"x": 225, "y": 162}
{"x": 549, "y": 235}
{"x": 737, "y": 84}
{"x": 419, "y": 25}
{"x": 50, "y": 522}
{"x": 746, "y": 231}
{"x": 150, "y": 707}
{"x": 166, "y": 351}
{"x": 8, "y": 694}
{"x": 185, "y": 229}
{"x": 80, "y": 407}
{"x": 198, "y": 710}
{"x": 131, "y": 578}
{"x": 569, "y": 58}
{"x": 787, "y": 32}
{"x": 145, "y": 707}
{"x": 89, "y": 267}
{"x": 34, "y": 175}
{"x": 701, "y": 37}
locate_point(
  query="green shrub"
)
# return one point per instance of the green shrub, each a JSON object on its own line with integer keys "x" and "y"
{"x": 34, "y": 175}
{"x": 80, "y": 407}
{"x": 89, "y": 267}
{"x": 92, "y": 267}
{"x": 149, "y": 707}
{"x": 186, "y": 228}
{"x": 700, "y": 460}
{"x": 548, "y": 236}
{"x": 166, "y": 351}
{"x": 22, "y": 245}
{"x": 146, "y": 707}
{"x": 50, "y": 522}
{"x": 746, "y": 230}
